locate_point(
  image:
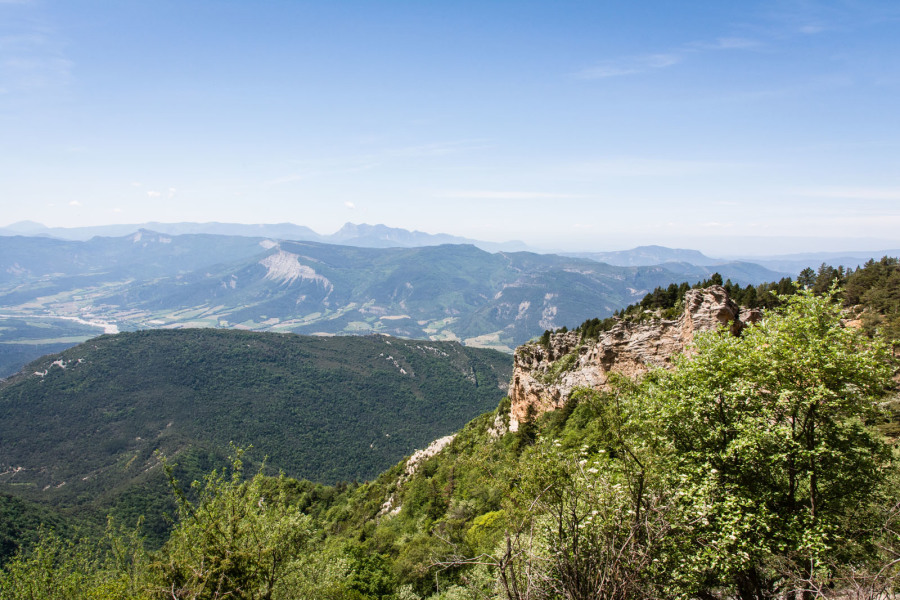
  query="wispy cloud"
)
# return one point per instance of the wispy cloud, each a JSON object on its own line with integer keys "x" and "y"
{"x": 349, "y": 205}
{"x": 320, "y": 170}
{"x": 716, "y": 225}
{"x": 26, "y": 73}
{"x": 726, "y": 43}
{"x": 891, "y": 194}
{"x": 504, "y": 195}
{"x": 642, "y": 63}
{"x": 32, "y": 58}
{"x": 75, "y": 203}
{"x": 811, "y": 28}
{"x": 303, "y": 170}
{"x": 629, "y": 65}
{"x": 437, "y": 148}
{"x": 787, "y": 19}
{"x": 647, "y": 167}
{"x": 153, "y": 194}
{"x": 805, "y": 87}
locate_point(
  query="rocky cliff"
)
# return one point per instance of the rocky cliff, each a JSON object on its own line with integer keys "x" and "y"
{"x": 545, "y": 376}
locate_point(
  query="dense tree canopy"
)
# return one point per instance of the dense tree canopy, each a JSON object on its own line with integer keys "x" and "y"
{"x": 769, "y": 438}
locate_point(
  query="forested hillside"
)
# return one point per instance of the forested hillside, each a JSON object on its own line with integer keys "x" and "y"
{"x": 750, "y": 470}
{"x": 760, "y": 466}
{"x": 89, "y": 422}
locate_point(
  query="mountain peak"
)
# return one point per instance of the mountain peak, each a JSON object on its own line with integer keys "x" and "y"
{"x": 26, "y": 227}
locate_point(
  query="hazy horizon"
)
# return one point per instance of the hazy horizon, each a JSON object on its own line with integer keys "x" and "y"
{"x": 722, "y": 248}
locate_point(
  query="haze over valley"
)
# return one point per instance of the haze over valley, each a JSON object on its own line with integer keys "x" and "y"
{"x": 56, "y": 292}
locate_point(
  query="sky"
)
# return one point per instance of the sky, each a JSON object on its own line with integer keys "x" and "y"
{"x": 729, "y": 127}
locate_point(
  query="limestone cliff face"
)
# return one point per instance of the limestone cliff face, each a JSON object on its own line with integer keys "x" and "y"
{"x": 544, "y": 377}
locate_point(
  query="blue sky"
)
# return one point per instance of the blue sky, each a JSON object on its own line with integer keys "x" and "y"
{"x": 731, "y": 127}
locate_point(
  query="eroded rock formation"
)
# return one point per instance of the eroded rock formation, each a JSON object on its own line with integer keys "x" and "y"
{"x": 544, "y": 377}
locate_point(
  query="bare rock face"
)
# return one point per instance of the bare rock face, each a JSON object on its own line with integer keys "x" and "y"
{"x": 750, "y": 315}
{"x": 544, "y": 377}
{"x": 709, "y": 308}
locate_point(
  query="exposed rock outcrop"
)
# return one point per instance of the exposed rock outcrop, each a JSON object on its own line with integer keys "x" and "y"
{"x": 545, "y": 376}
{"x": 391, "y": 506}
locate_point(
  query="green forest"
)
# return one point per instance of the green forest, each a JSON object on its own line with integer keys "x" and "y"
{"x": 83, "y": 431}
{"x": 761, "y": 466}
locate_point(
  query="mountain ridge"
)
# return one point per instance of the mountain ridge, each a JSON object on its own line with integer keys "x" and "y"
{"x": 155, "y": 280}
{"x": 351, "y": 234}
{"x": 383, "y": 236}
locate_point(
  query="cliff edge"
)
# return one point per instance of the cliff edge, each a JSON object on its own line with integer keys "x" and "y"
{"x": 544, "y": 376}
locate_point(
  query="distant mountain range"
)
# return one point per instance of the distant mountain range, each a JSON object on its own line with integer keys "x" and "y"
{"x": 382, "y": 236}
{"x": 794, "y": 263}
{"x": 363, "y": 235}
{"x": 648, "y": 255}
{"x": 791, "y": 264}
{"x": 449, "y": 292}
{"x": 56, "y": 292}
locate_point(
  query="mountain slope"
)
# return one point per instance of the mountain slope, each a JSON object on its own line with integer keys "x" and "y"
{"x": 141, "y": 255}
{"x": 443, "y": 292}
{"x": 622, "y": 479}
{"x": 90, "y": 419}
{"x": 570, "y": 485}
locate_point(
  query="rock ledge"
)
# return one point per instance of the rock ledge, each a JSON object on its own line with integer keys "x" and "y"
{"x": 544, "y": 377}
